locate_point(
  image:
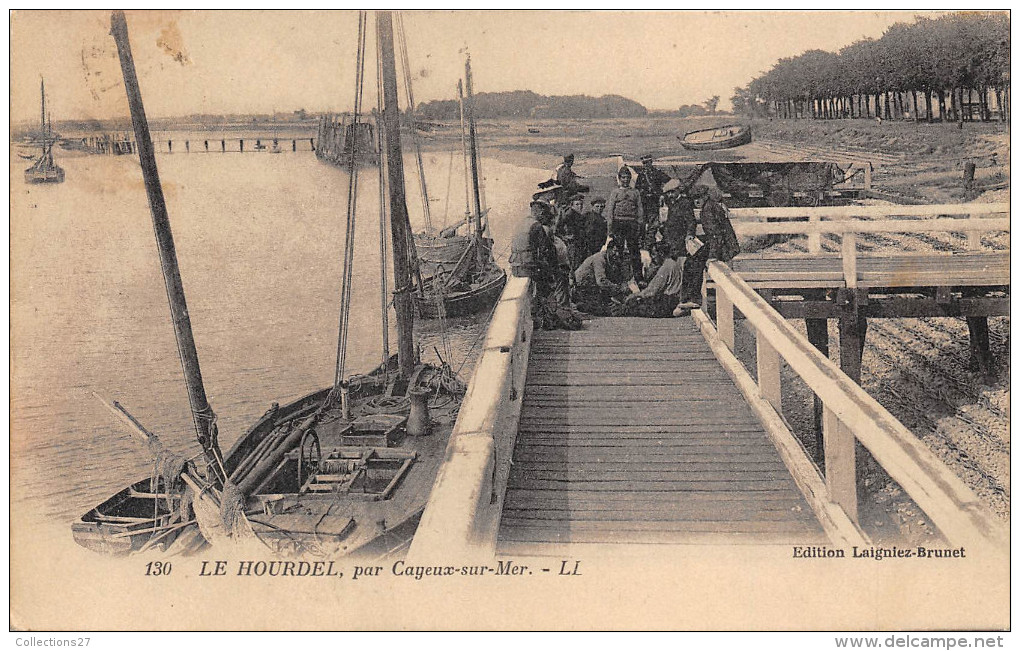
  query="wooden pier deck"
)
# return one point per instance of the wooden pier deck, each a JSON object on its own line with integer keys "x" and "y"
{"x": 631, "y": 432}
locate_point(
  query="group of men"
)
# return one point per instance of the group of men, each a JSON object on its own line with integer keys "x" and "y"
{"x": 592, "y": 259}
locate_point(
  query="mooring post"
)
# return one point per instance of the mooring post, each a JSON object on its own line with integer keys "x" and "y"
{"x": 968, "y": 180}
{"x": 980, "y": 349}
{"x": 818, "y": 335}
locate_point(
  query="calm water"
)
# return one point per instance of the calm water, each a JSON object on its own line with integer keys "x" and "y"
{"x": 260, "y": 243}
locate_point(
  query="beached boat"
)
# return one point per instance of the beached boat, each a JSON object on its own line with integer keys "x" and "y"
{"x": 731, "y": 135}
{"x": 347, "y": 469}
{"x": 45, "y": 170}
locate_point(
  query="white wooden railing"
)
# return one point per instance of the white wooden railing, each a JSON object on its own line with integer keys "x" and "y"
{"x": 461, "y": 518}
{"x": 849, "y": 221}
{"x": 850, "y": 415}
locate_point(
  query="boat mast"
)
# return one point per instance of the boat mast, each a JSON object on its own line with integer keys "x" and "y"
{"x": 202, "y": 413}
{"x": 42, "y": 113}
{"x": 474, "y": 146}
{"x": 464, "y": 150}
{"x": 399, "y": 226}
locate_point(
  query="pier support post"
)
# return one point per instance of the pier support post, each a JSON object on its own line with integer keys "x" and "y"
{"x": 818, "y": 335}
{"x": 980, "y": 350}
{"x": 853, "y": 329}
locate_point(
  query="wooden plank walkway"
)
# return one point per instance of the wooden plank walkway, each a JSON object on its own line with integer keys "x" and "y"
{"x": 631, "y": 432}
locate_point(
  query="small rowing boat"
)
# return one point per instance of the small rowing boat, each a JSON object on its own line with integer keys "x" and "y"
{"x": 731, "y": 135}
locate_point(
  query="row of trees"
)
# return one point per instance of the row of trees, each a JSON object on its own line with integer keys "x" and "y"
{"x": 946, "y": 68}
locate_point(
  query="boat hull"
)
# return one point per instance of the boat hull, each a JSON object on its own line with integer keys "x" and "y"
{"x": 478, "y": 299}
{"x": 706, "y": 140}
{"x": 127, "y": 522}
{"x": 54, "y": 175}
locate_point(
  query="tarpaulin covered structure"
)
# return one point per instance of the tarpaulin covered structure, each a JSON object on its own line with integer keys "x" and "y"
{"x": 773, "y": 184}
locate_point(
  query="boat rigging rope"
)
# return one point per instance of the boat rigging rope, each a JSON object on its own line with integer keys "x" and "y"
{"x": 402, "y": 45}
{"x": 383, "y": 225}
{"x": 352, "y": 196}
{"x": 449, "y": 182}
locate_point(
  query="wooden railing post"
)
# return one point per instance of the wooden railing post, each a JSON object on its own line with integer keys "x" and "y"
{"x": 848, "y": 251}
{"x": 840, "y": 464}
{"x": 769, "y": 382}
{"x": 973, "y": 237}
{"x": 814, "y": 238}
{"x": 724, "y": 318}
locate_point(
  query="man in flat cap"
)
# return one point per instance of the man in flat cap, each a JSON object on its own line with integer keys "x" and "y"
{"x": 649, "y": 182}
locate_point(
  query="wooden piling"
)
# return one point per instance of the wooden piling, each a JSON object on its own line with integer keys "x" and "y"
{"x": 818, "y": 335}
{"x": 853, "y": 330}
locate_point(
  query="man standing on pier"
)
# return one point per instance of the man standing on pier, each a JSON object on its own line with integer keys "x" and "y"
{"x": 571, "y": 229}
{"x": 532, "y": 254}
{"x": 595, "y": 230}
{"x": 624, "y": 217}
{"x": 720, "y": 243}
{"x": 650, "y": 181}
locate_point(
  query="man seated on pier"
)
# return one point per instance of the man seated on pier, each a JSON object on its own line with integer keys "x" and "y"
{"x": 595, "y": 289}
{"x": 662, "y": 294}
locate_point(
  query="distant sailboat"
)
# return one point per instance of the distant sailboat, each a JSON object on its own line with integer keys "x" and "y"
{"x": 459, "y": 274}
{"x": 44, "y": 170}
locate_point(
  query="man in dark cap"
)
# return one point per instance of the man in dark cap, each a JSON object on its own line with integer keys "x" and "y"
{"x": 564, "y": 182}
{"x": 595, "y": 284}
{"x": 532, "y": 254}
{"x": 595, "y": 229}
{"x": 571, "y": 229}
{"x": 649, "y": 182}
{"x": 720, "y": 243}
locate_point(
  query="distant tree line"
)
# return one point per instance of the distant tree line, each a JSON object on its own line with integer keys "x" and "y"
{"x": 526, "y": 104}
{"x": 945, "y": 68}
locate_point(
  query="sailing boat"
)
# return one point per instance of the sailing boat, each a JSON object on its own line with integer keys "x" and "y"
{"x": 275, "y": 149}
{"x": 347, "y": 469}
{"x": 471, "y": 281}
{"x": 44, "y": 170}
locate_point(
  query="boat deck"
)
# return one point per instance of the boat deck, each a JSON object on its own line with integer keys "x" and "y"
{"x": 631, "y": 432}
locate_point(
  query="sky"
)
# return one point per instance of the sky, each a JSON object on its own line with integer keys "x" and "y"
{"x": 261, "y": 61}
